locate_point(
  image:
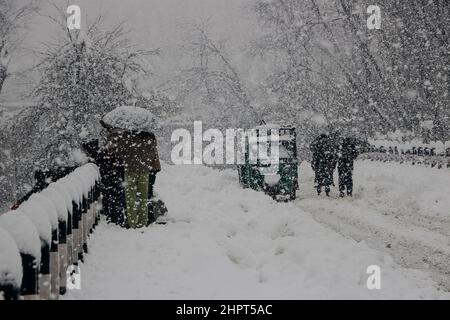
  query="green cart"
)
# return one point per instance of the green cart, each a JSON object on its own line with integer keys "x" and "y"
{"x": 280, "y": 180}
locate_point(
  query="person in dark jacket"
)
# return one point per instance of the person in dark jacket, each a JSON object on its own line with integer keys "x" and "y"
{"x": 112, "y": 177}
{"x": 346, "y": 156}
{"x": 323, "y": 162}
{"x": 139, "y": 154}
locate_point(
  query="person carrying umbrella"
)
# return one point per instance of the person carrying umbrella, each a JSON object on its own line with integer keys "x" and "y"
{"x": 131, "y": 140}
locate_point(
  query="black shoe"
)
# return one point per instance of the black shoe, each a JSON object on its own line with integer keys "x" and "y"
{"x": 341, "y": 194}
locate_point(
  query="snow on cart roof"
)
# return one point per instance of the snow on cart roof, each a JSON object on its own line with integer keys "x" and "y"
{"x": 268, "y": 126}
{"x": 274, "y": 126}
{"x": 131, "y": 118}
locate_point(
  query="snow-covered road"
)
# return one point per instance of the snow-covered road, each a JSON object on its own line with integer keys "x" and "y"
{"x": 400, "y": 209}
{"x": 230, "y": 243}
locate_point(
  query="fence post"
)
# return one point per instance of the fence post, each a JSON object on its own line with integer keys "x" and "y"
{"x": 23, "y": 231}
{"x": 58, "y": 256}
{"x": 44, "y": 276}
{"x": 62, "y": 256}
{"x": 41, "y": 220}
{"x": 54, "y": 264}
{"x": 75, "y": 232}
{"x": 70, "y": 240}
{"x": 91, "y": 211}
{"x": 98, "y": 204}
{"x": 10, "y": 267}
{"x": 30, "y": 280}
{"x": 85, "y": 224}
{"x": 49, "y": 277}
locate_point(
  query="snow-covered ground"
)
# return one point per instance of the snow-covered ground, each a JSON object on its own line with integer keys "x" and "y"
{"x": 229, "y": 243}
{"x": 402, "y": 210}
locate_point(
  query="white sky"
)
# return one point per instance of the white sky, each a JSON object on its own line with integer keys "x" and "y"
{"x": 154, "y": 24}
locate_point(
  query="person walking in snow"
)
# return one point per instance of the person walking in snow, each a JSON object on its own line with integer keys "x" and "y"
{"x": 137, "y": 149}
{"x": 323, "y": 163}
{"x": 346, "y": 157}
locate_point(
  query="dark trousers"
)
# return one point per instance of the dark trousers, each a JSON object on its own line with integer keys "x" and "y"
{"x": 346, "y": 181}
{"x": 151, "y": 182}
{"x": 114, "y": 201}
{"x": 327, "y": 190}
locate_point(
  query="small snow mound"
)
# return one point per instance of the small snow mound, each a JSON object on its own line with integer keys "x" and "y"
{"x": 23, "y": 231}
{"x": 40, "y": 218}
{"x": 58, "y": 189}
{"x": 45, "y": 204}
{"x": 58, "y": 201}
{"x": 10, "y": 262}
{"x": 131, "y": 118}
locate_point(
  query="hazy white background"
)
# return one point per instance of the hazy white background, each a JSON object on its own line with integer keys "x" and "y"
{"x": 154, "y": 24}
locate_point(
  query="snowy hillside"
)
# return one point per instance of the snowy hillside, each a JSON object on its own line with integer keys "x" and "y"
{"x": 226, "y": 242}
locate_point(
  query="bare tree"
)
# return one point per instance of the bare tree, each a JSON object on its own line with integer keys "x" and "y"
{"x": 13, "y": 15}
{"x": 4, "y": 61}
{"x": 372, "y": 81}
{"x": 213, "y": 76}
{"x": 83, "y": 76}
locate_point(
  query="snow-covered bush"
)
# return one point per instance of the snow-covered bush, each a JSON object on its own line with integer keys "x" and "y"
{"x": 83, "y": 76}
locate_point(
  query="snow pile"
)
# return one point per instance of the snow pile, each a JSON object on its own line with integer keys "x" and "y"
{"x": 398, "y": 209}
{"x": 58, "y": 189}
{"x": 73, "y": 187}
{"x": 26, "y": 229}
{"x": 40, "y": 219}
{"x": 226, "y": 242}
{"x": 58, "y": 202}
{"x": 131, "y": 118}
{"x": 48, "y": 207}
{"x": 22, "y": 230}
{"x": 10, "y": 262}
{"x": 86, "y": 177}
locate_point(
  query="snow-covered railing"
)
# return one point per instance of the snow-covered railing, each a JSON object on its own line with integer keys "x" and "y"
{"x": 434, "y": 154}
{"x": 47, "y": 234}
{"x": 434, "y": 148}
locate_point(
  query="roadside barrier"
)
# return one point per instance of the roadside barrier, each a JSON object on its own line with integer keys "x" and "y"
{"x": 47, "y": 234}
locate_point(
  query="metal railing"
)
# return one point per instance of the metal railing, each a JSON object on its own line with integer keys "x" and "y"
{"x": 414, "y": 156}
{"x": 47, "y": 234}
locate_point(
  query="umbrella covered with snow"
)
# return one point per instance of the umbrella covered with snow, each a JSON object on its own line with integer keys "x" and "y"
{"x": 130, "y": 118}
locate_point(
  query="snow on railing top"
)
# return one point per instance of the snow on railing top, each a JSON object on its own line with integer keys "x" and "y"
{"x": 23, "y": 231}
{"x": 29, "y": 227}
{"x": 59, "y": 200}
{"x": 438, "y": 146}
{"x": 40, "y": 218}
{"x": 10, "y": 262}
